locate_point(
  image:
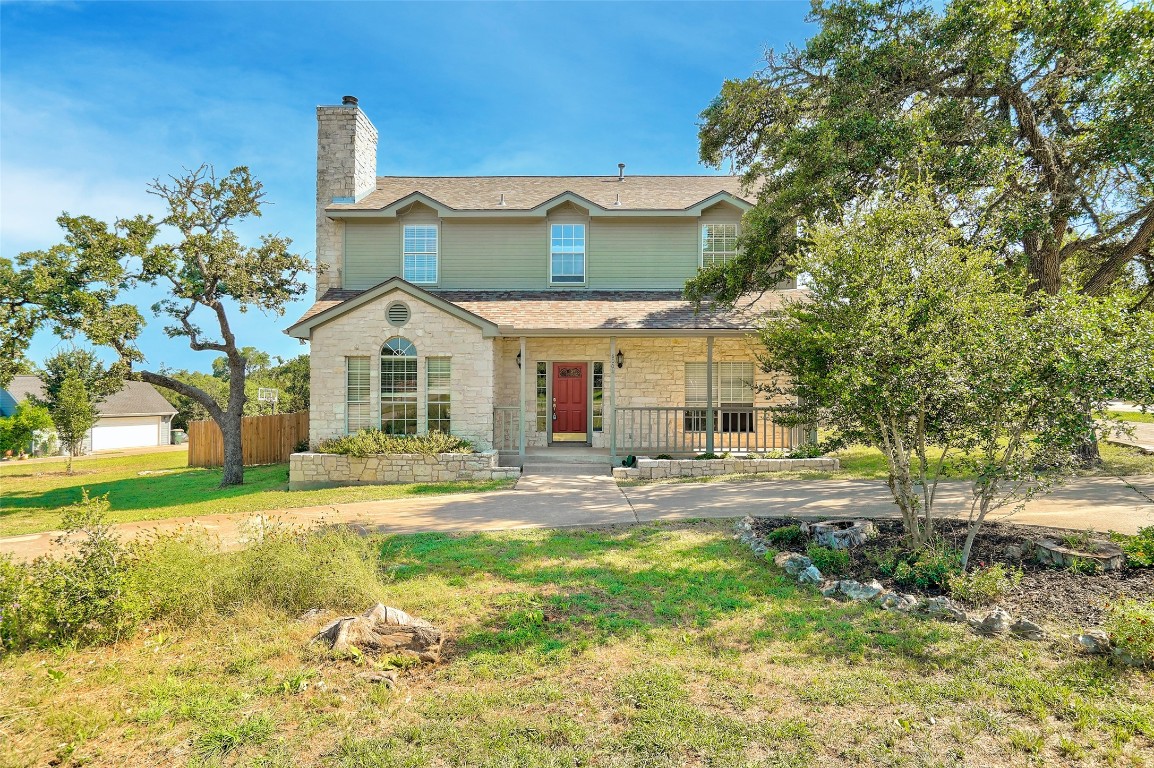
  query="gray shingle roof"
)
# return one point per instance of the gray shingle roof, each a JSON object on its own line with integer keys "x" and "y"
{"x": 484, "y": 193}
{"x": 591, "y": 310}
{"x": 137, "y": 398}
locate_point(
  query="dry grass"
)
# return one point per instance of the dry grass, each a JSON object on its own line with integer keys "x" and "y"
{"x": 663, "y": 645}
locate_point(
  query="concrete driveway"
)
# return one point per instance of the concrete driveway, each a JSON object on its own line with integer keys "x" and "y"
{"x": 574, "y": 497}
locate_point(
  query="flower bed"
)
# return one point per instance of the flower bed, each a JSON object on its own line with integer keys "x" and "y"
{"x": 320, "y": 470}
{"x": 657, "y": 469}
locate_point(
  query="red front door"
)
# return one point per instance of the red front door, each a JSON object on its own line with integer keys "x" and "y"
{"x": 570, "y": 404}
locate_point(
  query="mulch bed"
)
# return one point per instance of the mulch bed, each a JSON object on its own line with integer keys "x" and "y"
{"x": 1045, "y": 594}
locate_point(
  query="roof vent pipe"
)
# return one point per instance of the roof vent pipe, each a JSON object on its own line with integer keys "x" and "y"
{"x": 618, "y": 199}
{"x": 502, "y": 200}
{"x": 349, "y": 101}
{"x": 621, "y": 171}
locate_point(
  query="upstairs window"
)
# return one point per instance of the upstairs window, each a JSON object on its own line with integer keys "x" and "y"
{"x": 567, "y": 254}
{"x": 420, "y": 257}
{"x": 718, "y": 244}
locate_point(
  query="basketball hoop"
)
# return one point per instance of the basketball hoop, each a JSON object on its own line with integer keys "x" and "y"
{"x": 268, "y": 395}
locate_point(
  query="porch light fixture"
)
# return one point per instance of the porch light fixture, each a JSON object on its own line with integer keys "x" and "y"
{"x": 620, "y": 359}
{"x": 518, "y": 359}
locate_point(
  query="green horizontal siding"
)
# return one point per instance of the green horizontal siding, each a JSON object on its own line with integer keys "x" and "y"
{"x": 372, "y": 253}
{"x": 493, "y": 255}
{"x": 640, "y": 253}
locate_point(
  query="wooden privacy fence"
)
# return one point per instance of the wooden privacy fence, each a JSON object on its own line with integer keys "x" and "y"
{"x": 264, "y": 439}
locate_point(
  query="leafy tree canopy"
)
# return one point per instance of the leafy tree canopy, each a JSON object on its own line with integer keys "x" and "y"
{"x": 1033, "y": 122}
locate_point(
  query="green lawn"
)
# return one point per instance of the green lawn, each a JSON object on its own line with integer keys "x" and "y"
{"x": 1146, "y": 418}
{"x": 154, "y": 486}
{"x": 658, "y": 645}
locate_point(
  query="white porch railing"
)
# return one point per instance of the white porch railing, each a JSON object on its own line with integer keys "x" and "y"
{"x": 506, "y": 435}
{"x": 680, "y": 430}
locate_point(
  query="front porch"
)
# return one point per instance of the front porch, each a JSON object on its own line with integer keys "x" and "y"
{"x": 613, "y": 396}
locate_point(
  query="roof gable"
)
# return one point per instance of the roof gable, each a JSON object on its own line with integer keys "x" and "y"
{"x": 302, "y": 328}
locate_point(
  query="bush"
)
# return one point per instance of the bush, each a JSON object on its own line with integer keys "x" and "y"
{"x": 1130, "y": 624}
{"x": 807, "y": 451}
{"x": 372, "y": 441}
{"x": 828, "y": 561}
{"x": 927, "y": 568}
{"x": 663, "y": 456}
{"x": 786, "y": 536}
{"x": 984, "y": 585}
{"x": 77, "y": 599}
{"x": 1139, "y": 549}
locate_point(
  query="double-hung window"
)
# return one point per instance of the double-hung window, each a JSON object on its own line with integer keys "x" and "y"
{"x": 419, "y": 262}
{"x": 437, "y": 378}
{"x": 718, "y": 244}
{"x": 358, "y": 406}
{"x": 567, "y": 254}
{"x": 732, "y": 389}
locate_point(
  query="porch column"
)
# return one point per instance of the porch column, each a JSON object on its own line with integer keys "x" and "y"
{"x": 709, "y": 394}
{"x": 521, "y": 413}
{"x": 612, "y": 414}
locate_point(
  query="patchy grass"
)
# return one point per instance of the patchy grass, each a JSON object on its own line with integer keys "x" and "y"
{"x": 154, "y": 486}
{"x": 660, "y": 645}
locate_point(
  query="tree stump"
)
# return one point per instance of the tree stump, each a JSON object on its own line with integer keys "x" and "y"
{"x": 383, "y": 630}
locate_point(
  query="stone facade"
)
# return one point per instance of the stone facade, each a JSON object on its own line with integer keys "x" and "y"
{"x": 657, "y": 469}
{"x": 316, "y": 470}
{"x": 346, "y": 171}
{"x": 362, "y": 332}
{"x": 653, "y": 373}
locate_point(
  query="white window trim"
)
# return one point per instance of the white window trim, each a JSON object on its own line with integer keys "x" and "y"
{"x": 701, "y": 241}
{"x": 584, "y": 254}
{"x": 436, "y": 225}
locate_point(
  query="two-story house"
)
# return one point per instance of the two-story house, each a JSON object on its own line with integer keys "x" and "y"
{"x": 522, "y": 312}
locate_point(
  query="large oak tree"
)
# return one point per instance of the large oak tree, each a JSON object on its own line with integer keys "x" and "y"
{"x": 209, "y": 276}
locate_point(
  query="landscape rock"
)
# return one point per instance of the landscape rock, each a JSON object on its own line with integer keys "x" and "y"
{"x": 383, "y": 630}
{"x": 1094, "y": 641}
{"x": 1122, "y": 656}
{"x": 810, "y": 575}
{"x": 996, "y": 622}
{"x": 830, "y": 588}
{"x": 1027, "y": 630}
{"x": 1106, "y": 554}
{"x": 943, "y": 608}
{"x": 1013, "y": 553}
{"x": 855, "y": 590}
{"x": 893, "y": 601}
{"x": 310, "y": 614}
{"x": 792, "y": 562}
{"x": 840, "y": 534}
{"x": 388, "y": 679}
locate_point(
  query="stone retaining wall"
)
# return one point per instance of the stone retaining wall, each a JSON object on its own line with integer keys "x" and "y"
{"x": 656, "y": 469}
{"x": 318, "y": 470}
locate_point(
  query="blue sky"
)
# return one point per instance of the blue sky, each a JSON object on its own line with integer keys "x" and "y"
{"x": 96, "y": 99}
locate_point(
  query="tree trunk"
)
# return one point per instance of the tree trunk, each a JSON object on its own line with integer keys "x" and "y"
{"x": 230, "y": 430}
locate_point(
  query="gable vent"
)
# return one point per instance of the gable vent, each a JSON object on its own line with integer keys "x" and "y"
{"x": 397, "y": 313}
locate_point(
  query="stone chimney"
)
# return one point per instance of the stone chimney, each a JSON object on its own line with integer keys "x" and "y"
{"x": 346, "y": 172}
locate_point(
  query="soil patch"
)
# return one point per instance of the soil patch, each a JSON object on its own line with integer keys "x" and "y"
{"x": 1045, "y": 594}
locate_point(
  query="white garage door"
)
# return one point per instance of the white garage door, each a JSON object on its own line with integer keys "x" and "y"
{"x": 126, "y": 432}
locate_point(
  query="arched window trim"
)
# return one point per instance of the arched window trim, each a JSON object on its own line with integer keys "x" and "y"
{"x": 398, "y": 346}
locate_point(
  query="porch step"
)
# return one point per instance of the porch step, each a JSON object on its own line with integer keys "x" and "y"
{"x": 558, "y": 469}
{"x": 541, "y": 457}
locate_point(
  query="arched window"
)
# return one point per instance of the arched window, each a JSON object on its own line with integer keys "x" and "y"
{"x": 399, "y": 387}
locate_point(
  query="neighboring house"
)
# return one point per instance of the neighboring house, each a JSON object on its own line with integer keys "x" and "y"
{"x": 528, "y": 311}
{"x": 137, "y": 416}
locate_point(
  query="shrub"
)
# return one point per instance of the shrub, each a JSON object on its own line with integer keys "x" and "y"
{"x": 827, "y": 560}
{"x": 76, "y": 599}
{"x": 1139, "y": 549}
{"x": 372, "y": 441}
{"x": 807, "y": 451}
{"x": 663, "y": 456}
{"x": 1130, "y": 624}
{"x": 705, "y": 456}
{"x": 927, "y": 568}
{"x": 984, "y": 585}
{"x": 1083, "y": 566}
{"x": 785, "y": 536}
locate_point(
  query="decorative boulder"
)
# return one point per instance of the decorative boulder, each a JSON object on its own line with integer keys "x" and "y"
{"x": 893, "y": 601}
{"x": 855, "y": 590}
{"x": 1107, "y": 555}
{"x": 383, "y": 630}
{"x": 996, "y": 622}
{"x": 1027, "y": 630}
{"x": 839, "y": 534}
{"x": 943, "y": 608}
{"x": 830, "y": 588}
{"x": 791, "y": 562}
{"x": 1094, "y": 641}
{"x": 810, "y": 575}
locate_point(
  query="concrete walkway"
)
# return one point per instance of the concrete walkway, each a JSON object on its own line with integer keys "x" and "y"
{"x": 585, "y": 496}
{"x": 1142, "y": 437}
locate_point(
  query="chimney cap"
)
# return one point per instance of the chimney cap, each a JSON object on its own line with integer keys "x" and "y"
{"x": 621, "y": 171}
{"x": 349, "y": 101}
